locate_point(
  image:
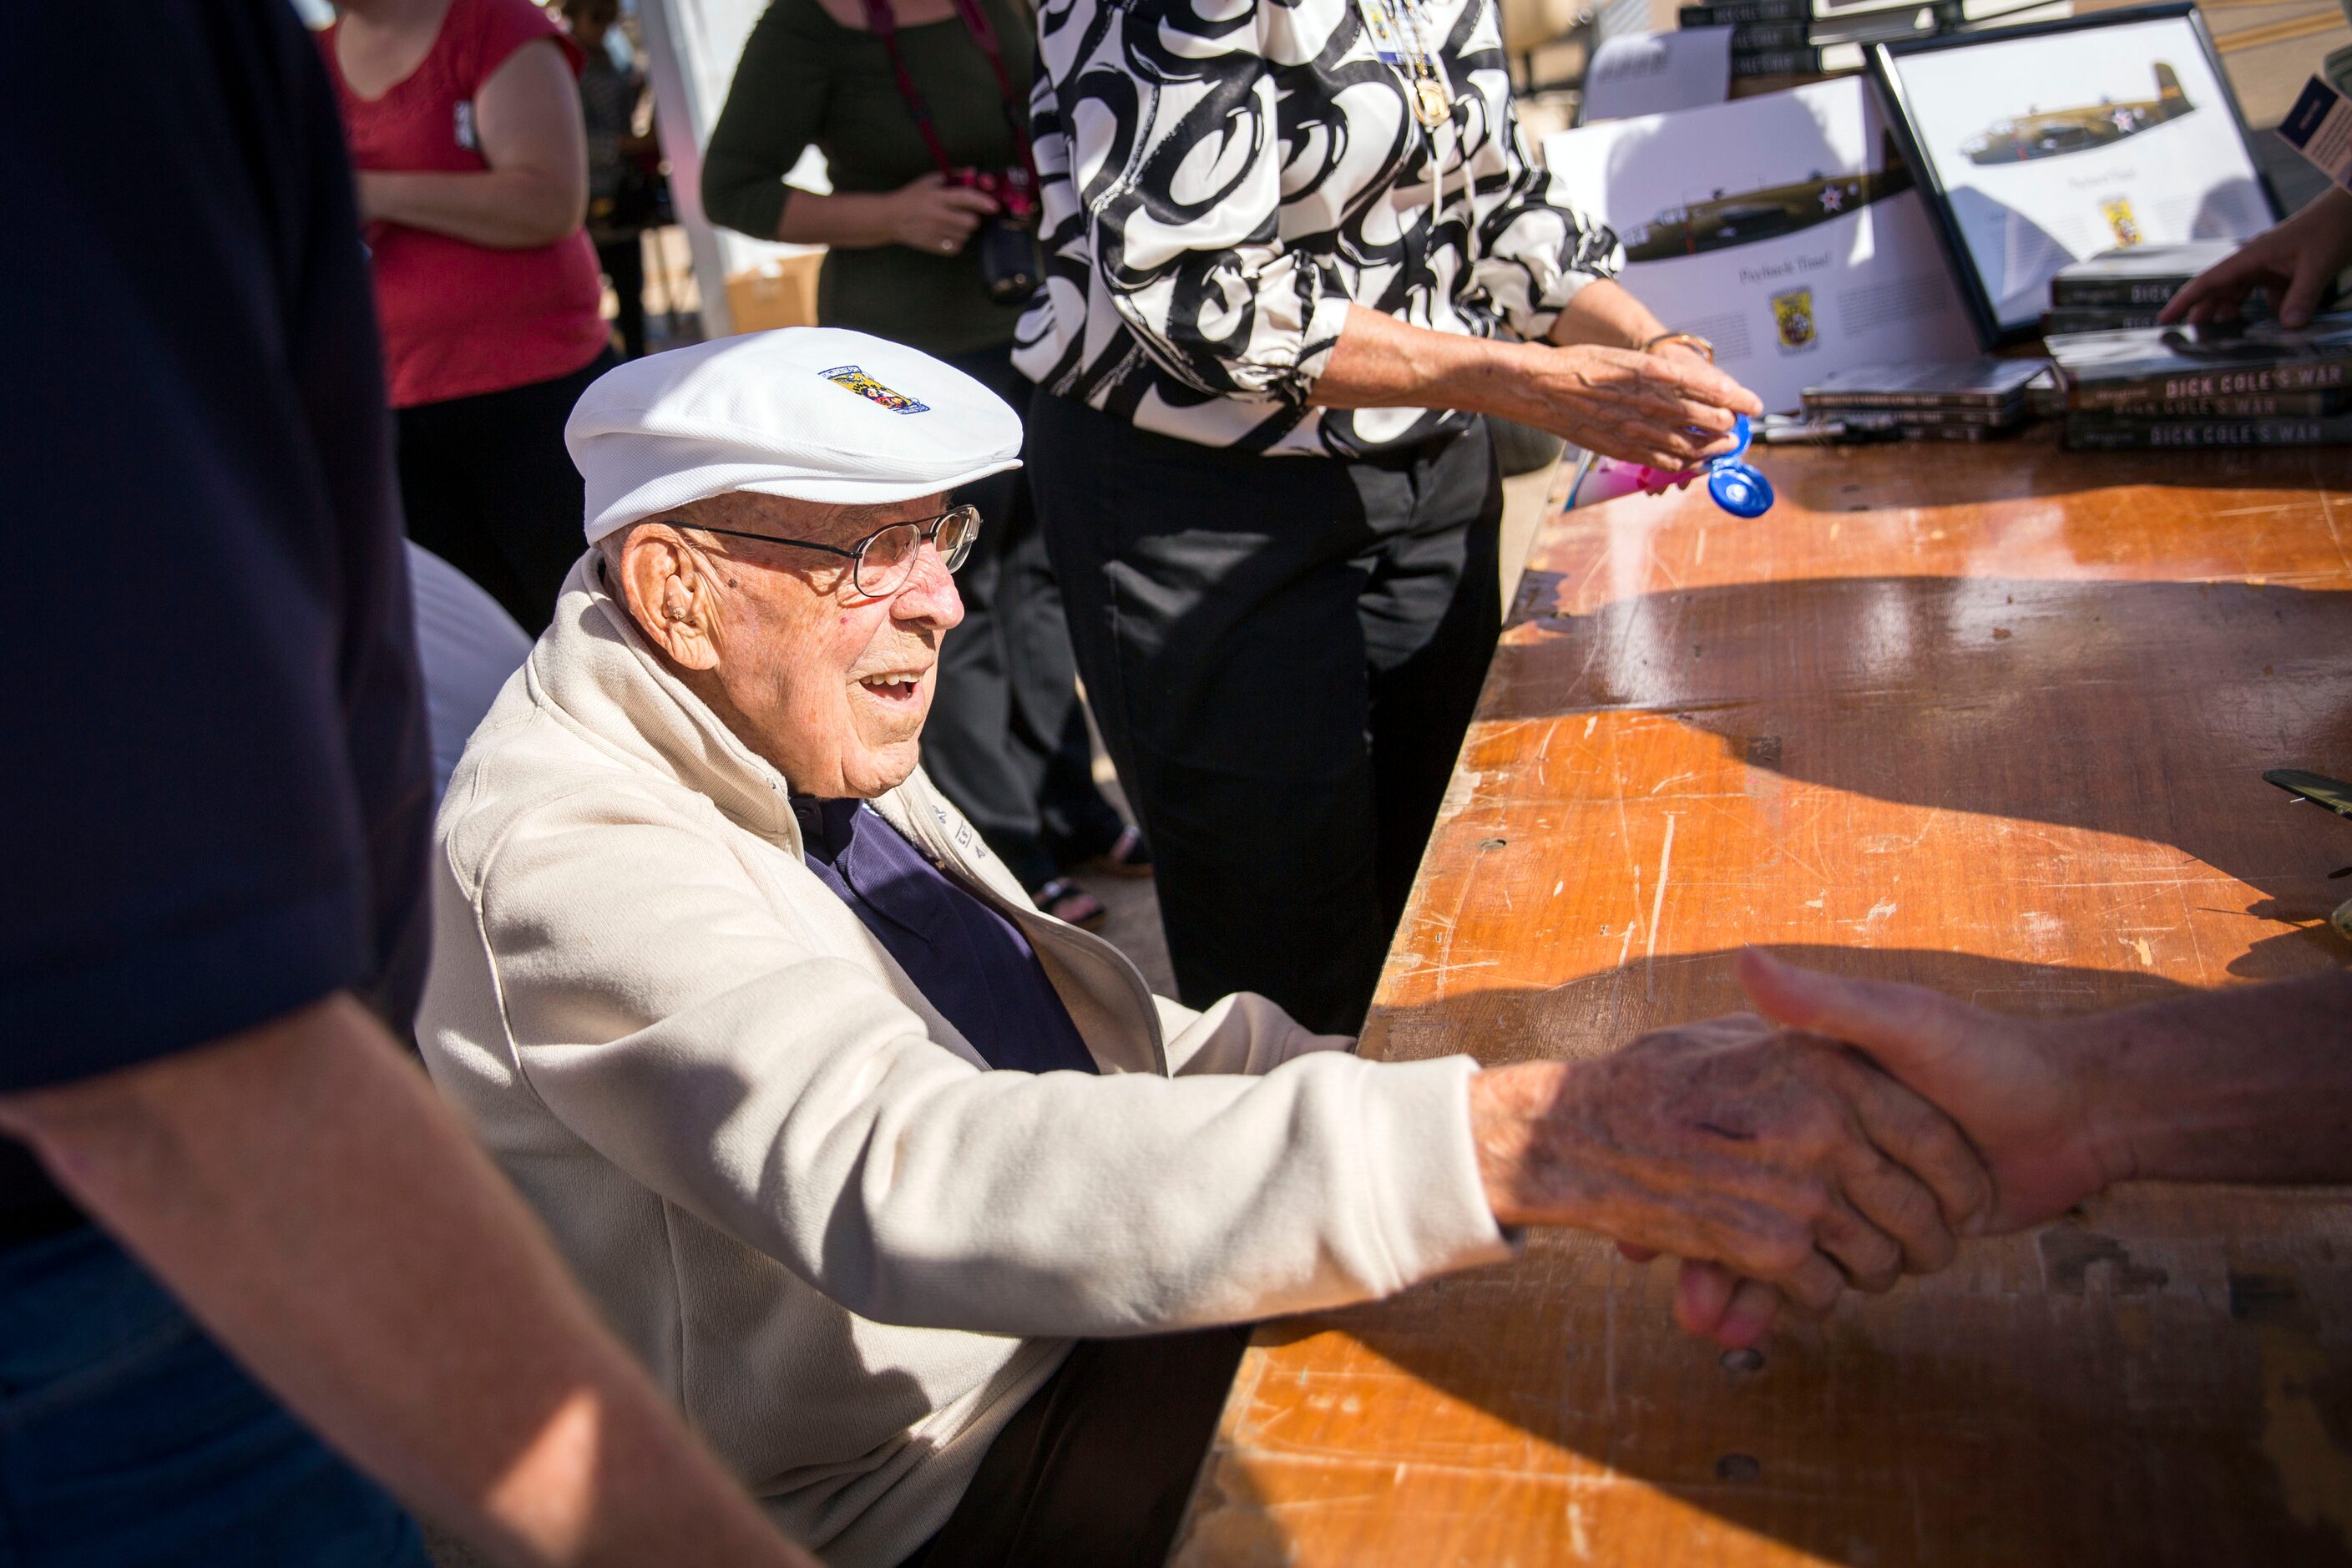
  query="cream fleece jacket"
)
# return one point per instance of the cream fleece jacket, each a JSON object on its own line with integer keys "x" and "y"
{"x": 848, "y": 1250}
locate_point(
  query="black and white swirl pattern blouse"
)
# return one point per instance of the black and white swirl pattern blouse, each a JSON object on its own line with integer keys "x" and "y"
{"x": 1221, "y": 178}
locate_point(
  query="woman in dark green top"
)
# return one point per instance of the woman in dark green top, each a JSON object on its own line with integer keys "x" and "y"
{"x": 1005, "y": 738}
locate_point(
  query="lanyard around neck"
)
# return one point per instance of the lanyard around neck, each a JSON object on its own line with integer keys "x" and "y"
{"x": 885, "y": 26}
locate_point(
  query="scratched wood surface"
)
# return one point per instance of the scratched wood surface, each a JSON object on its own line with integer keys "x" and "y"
{"x": 1989, "y": 718}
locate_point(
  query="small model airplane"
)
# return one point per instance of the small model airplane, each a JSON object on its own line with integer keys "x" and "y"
{"x": 2317, "y": 788}
{"x": 2336, "y": 796}
{"x": 2035, "y": 134}
{"x": 1722, "y": 221}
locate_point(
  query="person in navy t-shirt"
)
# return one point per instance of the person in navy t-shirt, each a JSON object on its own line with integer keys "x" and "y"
{"x": 217, "y": 799}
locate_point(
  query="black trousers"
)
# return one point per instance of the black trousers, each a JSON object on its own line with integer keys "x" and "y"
{"x": 1006, "y": 739}
{"x": 1283, "y": 654}
{"x": 623, "y": 262}
{"x": 488, "y": 486}
{"x": 1095, "y": 1469}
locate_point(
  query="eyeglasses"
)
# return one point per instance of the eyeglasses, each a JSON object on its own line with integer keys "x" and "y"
{"x": 882, "y": 561}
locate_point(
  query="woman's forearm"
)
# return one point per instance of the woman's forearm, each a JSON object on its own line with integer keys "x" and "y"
{"x": 1382, "y": 362}
{"x": 1667, "y": 411}
{"x": 1603, "y": 312}
{"x": 500, "y": 209}
{"x": 851, "y": 220}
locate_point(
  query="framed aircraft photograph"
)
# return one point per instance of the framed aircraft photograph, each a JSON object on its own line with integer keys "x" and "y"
{"x": 2040, "y": 145}
{"x": 1784, "y": 229}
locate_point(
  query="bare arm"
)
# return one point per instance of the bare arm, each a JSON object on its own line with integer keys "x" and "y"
{"x": 1604, "y": 313}
{"x": 1613, "y": 400}
{"x": 926, "y": 215}
{"x": 303, "y": 1193}
{"x": 2252, "y": 1084}
{"x": 535, "y": 191}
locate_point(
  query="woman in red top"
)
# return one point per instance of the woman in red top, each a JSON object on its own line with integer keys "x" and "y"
{"x": 464, "y": 127}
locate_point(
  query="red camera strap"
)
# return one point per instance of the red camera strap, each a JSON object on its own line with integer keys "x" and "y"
{"x": 885, "y": 26}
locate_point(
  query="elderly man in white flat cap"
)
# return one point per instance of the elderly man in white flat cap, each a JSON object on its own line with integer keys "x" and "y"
{"x": 907, "y": 1192}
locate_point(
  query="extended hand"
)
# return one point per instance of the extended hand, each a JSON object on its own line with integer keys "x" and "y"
{"x": 2294, "y": 261}
{"x": 1671, "y": 410}
{"x": 930, "y": 215}
{"x": 1783, "y": 1156}
{"x": 2006, "y": 1081}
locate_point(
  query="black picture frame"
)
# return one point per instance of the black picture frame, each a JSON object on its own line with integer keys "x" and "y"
{"x": 1931, "y": 178}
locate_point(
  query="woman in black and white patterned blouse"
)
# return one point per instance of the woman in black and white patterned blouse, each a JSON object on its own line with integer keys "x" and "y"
{"x": 1293, "y": 249}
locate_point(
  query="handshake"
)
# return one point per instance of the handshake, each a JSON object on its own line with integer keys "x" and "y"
{"x": 1848, "y": 1132}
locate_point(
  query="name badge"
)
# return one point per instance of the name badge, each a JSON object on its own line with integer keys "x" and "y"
{"x": 1381, "y": 27}
{"x": 2319, "y": 127}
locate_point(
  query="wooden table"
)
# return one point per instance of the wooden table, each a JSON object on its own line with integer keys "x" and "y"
{"x": 1985, "y": 718}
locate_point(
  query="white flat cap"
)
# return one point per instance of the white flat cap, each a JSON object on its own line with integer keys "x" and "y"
{"x": 815, "y": 413}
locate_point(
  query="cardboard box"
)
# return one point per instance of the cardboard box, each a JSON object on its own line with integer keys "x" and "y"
{"x": 777, "y": 293}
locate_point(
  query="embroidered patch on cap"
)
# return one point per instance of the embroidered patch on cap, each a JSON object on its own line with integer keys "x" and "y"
{"x": 865, "y": 386}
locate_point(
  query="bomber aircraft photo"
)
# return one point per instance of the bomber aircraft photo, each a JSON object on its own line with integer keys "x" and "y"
{"x": 2035, "y": 134}
{"x": 1721, "y": 221}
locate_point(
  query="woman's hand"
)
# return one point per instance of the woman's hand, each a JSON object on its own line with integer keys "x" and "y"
{"x": 1671, "y": 410}
{"x": 2293, "y": 262}
{"x": 932, "y": 215}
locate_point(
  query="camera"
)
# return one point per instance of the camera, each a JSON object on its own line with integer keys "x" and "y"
{"x": 1010, "y": 261}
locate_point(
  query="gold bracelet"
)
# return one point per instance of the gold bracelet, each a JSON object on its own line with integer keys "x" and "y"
{"x": 1693, "y": 339}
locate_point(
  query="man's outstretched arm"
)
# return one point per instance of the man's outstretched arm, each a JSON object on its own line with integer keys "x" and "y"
{"x": 2248, "y": 1085}
{"x": 2252, "y": 1084}
{"x": 304, "y": 1193}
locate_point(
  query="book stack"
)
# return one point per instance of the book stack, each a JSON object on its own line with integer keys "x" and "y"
{"x": 2127, "y": 288}
{"x": 2256, "y": 384}
{"x": 1967, "y": 400}
{"x": 1808, "y": 39}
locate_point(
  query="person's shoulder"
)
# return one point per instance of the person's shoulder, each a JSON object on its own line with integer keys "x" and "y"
{"x": 483, "y": 35}
{"x": 802, "y": 25}
{"x": 529, "y": 772}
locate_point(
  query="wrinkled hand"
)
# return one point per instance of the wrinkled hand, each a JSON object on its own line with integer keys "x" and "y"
{"x": 930, "y": 215}
{"x": 1783, "y": 1156}
{"x": 2292, "y": 261}
{"x": 1671, "y": 410}
{"x": 2006, "y": 1081}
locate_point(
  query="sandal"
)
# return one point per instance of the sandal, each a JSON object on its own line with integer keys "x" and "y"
{"x": 1128, "y": 856}
{"x": 1071, "y": 904}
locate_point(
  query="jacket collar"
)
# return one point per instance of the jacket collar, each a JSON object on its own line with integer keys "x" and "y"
{"x": 596, "y": 668}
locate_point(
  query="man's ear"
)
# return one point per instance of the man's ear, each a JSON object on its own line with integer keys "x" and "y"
{"x": 668, "y": 594}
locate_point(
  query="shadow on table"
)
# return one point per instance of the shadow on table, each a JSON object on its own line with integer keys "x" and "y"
{"x": 2148, "y": 710}
{"x": 2024, "y": 1422}
{"x": 1596, "y": 1013}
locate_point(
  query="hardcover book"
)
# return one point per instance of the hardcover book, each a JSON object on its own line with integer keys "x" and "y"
{"x": 2070, "y": 319}
{"x": 1988, "y": 384}
{"x": 2092, "y": 433}
{"x": 2254, "y": 359}
{"x": 1734, "y": 13}
{"x": 2143, "y": 275}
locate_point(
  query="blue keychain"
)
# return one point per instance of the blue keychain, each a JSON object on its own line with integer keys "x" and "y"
{"x": 1736, "y": 486}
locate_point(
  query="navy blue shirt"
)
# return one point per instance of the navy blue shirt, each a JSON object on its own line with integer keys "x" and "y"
{"x": 968, "y": 961}
{"x": 217, "y": 792}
